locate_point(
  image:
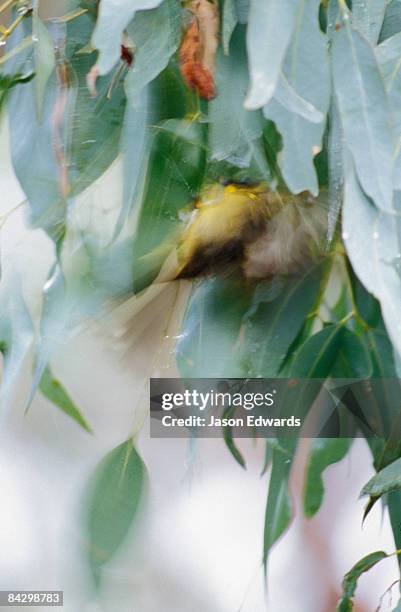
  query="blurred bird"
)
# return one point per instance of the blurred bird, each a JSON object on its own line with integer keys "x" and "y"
{"x": 264, "y": 232}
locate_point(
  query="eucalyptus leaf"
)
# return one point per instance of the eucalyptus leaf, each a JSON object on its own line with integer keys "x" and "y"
{"x": 375, "y": 259}
{"x": 155, "y": 35}
{"x": 113, "y": 18}
{"x": 394, "y": 511}
{"x": 233, "y": 129}
{"x": 271, "y": 330}
{"x": 34, "y": 158}
{"x": 45, "y": 60}
{"x": 230, "y": 20}
{"x": 364, "y": 112}
{"x": 52, "y": 389}
{"x": 93, "y": 142}
{"x": 324, "y": 452}
{"x": 392, "y": 20}
{"x": 317, "y": 356}
{"x": 134, "y": 144}
{"x": 353, "y": 359}
{"x": 368, "y": 16}
{"x": 388, "y": 479}
{"x": 351, "y": 579}
{"x": 16, "y": 337}
{"x": 306, "y": 70}
{"x": 208, "y": 343}
{"x": 270, "y": 27}
{"x": 116, "y": 491}
{"x": 278, "y": 512}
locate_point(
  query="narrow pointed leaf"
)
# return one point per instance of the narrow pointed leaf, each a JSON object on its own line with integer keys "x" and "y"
{"x": 55, "y": 392}
{"x": 116, "y": 491}
{"x": 270, "y": 26}
{"x": 364, "y": 112}
{"x": 114, "y": 16}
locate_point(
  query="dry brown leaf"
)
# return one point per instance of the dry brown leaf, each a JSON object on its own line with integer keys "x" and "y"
{"x": 198, "y": 48}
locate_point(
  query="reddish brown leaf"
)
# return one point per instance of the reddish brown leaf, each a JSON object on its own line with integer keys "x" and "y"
{"x": 198, "y": 49}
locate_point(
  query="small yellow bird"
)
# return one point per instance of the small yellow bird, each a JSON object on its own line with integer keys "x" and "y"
{"x": 264, "y": 232}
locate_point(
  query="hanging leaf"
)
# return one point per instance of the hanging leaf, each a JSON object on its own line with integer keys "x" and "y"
{"x": 384, "y": 481}
{"x": 324, "y": 452}
{"x": 134, "y": 144}
{"x": 306, "y": 69}
{"x": 230, "y": 442}
{"x": 230, "y": 20}
{"x": 368, "y": 16}
{"x": 351, "y": 579}
{"x": 270, "y": 27}
{"x": 278, "y": 512}
{"x": 198, "y": 48}
{"x": 45, "y": 60}
{"x": 364, "y": 112}
{"x": 33, "y": 155}
{"x": 210, "y": 335}
{"x": 116, "y": 491}
{"x": 392, "y": 20}
{"x": 270, "y": 331}
{"x": 55, "y": 392}
{"x": 375, "y": 259}
{"x": 233, "y": 130}
{"x": 94, "y": 142}
{"x": 317, "y": 356}
{"x": 155, "y": 35}
{"x": 353, "y": 359}
{"x": 16, "y": 337}
{"x": 113, "y": 17}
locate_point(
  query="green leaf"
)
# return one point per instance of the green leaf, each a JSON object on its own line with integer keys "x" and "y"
{"x": 45, "y": 60}
{"x": 351, "y": 579}
{"x": 368, "y": 17}
{"x": 116, "y": 491}
{"x": 32, "y": 150}
{"x": 388, "y": 55}
{"x": 306, "y": 70}
{"x": 230, "y": 20}
{"x": 376, "y": 258}
{"x": 156, "y": 35}
{"x": 364, "y": 112}
{"x": 175, "y": 175}
{"x": 55, "y": 392}
{"x": 392, "y": 20}
{"x": 368, "y": 307}
{"x": 388, "y": 479}
{"x": 353, "y": 359}
{"x": 230, "y": 442}
{"x": 394, "y": 511}
{"x": 286, "y": 95}
{"x": 96, "y": 132}
{"x": 210, "y": 335}
{"x": 88, "y": 134}
{"x": 113, "y": 17}
{"x": 134, "y": 144}
{"x": 317, "y": 356}
{"x": 233, "y": 129}
{"x": 270, "y": 27}
{"x": 324, "y": 452}
{"x": 16, "y": 336}
{"x": 278, "y": 512}
{"x": 270, "y": 331}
